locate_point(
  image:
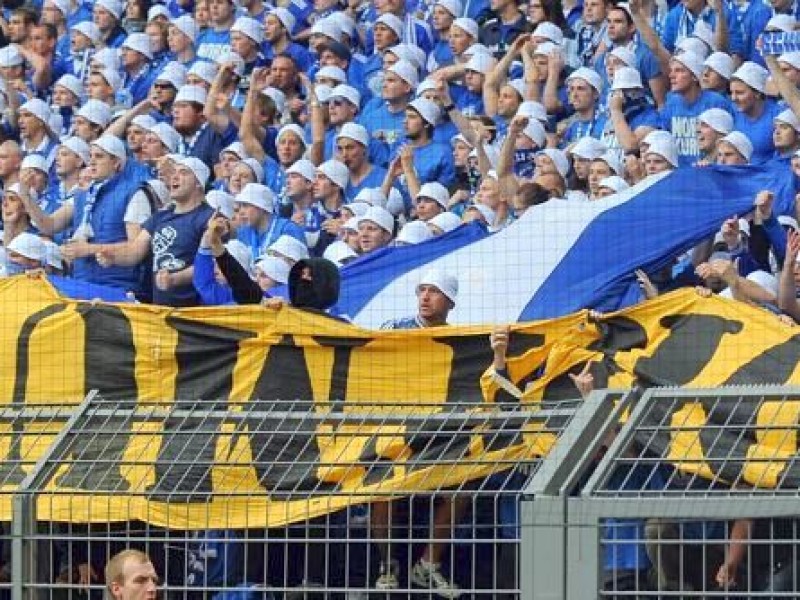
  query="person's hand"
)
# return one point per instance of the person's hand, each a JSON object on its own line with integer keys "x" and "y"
{"x": 104, "y": 257}
{"x": 764, "y": 201}
{"x": 635, "y": 6}
{"x": 443, "y": 91}
{"x": 221, "y": 101}
{"x": 792, "y": 249}
{"x": 276, "y": 303}
{"x": 308, "y": 85}
{"x": 86, "y": 577}
{"x": 730, "y": 232}
{"x": 396, "y": 167}
{"x": 76, "y": 248}
{"x": 498, "y": 340}
{"x": 518, "y": 44}
{"x": 649, "y": 290}
{"x": 725, "y": 269}
{"x": 406, "y": 156}
{"x": 616, "y": 101}
{"x": 786, "y": 320}
{"x": 726, "y": 575}
{"x": 584, "y": 380}
{"x": 703, "y": 292}
{"x": 458, "y": 197}
{"x": 164, "y": 280}
{"x": 555, "y": 63}
{"x": 296, "y": 105}
{"x": 518, "y": 124}
{"x": 332, "y": 226}
{"x": 259, "y": 79}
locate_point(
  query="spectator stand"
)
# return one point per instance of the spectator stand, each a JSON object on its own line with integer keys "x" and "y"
{"x": 622, "y": 522}
{"x": 174, "y": 480}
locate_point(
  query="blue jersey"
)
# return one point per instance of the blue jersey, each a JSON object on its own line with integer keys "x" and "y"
{"x": 434, "y": 162}
{"x": 174, "y": 239}
{"x": 299, "y": 53}
{"x": 680, "y": 118}
{"x": 759, "y": 130}
{"x": 585, "y": 128}
{"x": 259, "y": 241}
{"x": 212, "y": 44}
{"x": 374, "y": 179}
{"x": 384, "y": 125}
{"x": 469, "y": 103}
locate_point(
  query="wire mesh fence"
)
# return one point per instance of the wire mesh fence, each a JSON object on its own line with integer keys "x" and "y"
{"x": 273, "y": 500}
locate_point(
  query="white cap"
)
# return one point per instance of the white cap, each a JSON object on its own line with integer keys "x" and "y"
{"x": 533, "y": 110}
{"x": 545, "y": 49}
{"x": 275, "y": 268}
{"x": 106, "y": 58}
{"x": 355, "y": 132}
{"x": 323, "y": 92}
{"x": 187, "y": 26}
{"x": 436, "y": 192}
{"x": 790, "y": 58}
{"x": 559, "y": 159}
{"x": 739, "y": 141}
{"x": 78, "y": 147}
{"x": 257, "y": 195}
{"x": 691, "y": 61}
{"x": 718, "y": 119}
{"x": 549, "y": 31}
{"x": 393, "y": 22}
{"x": 38, "y": 108}
{"x": 167, "y": 134}
{"x": 90, "y": 30}
{"x": 203, "y": 69}
{"x": 174, "y": 74}
{"x": 476, "y": 48}
{"x": 424, "y": 86}
{"x": 331, "y": 72}
{"x": 347, "y": 92}
{"x": 788, "y": 221}
{"x": 627, "y": 78}
{"x": 589, "y": 76}
{"x": 112, "y": 77}
{"x": 454, "y": 7}
{"x": 380, "y": 216}
{"x": 427, "y": 109}
{"x": 534, "y": 130}
{"x": 285, "y": 17}
{"x": 487, "y": 213}
{"x": 615, "y": 183}
{"x": 626, "y": 55}
{"x": 115, "y": 7}
{"x": 693, "y": 45}
{"x": 305, "y": 168}
{"x": 413, "y": 232}
{"x": 242, "y": 253}
{"x": 480, "y": 63}
{"x": 703, "y": 32}
{"x": 71, "y": 83}
{"x": 290, "y": 247}
{"x": 781, "y": 23}
{"x": 234, "y": 59}
{"x": 28, "y": 245}
{"x": 339, "y": 253}
{"x": 237, "y": 149}
{"x": 53, "y": 256}
{"x": 221, "y": 201}
{"x": 336, "y": 171}
{"x": 352, "y": 223}
{"x": 96, "y": 112}
{"x": 444, "y": 282}
{"x": 658, "y": 135}
{"x": 788, "y": 117}
{"x": 191, "y": 93}
{"x": 371, "y": 196}
{"x": 63, "y": 6}
{"x": 34, "y": 161}
{"x": 664, "y": 148}
{"x": 346, "y": 23}
{"x": 446, "y": 221}
{"x": 721, "y": 63}
{"x": 405, "y": 71}
{"x": 196, "y": 166}
{"x": 468, "y": 26}
{"x": 255, "y": 167}
{"x": 327, "y": 27}
{"x": 158, "y": 10}
{"x": 588, "y": 148}
{"x": 294, "y": 129}
{"x": 612, "y": 160}
{"x": 139, "y": 42}
{"x": 753, "y": 75}
{"x": 277, "y": 97}
{"x": 249, "y": 27}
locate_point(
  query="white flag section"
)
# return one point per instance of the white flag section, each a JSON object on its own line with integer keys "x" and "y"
{"x": 561, "y": 256}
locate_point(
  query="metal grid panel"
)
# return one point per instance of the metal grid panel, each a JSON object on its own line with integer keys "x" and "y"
{"x": 120, "y": 476}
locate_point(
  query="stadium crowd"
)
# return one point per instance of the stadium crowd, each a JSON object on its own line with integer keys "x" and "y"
{"x": 193, "y": 152}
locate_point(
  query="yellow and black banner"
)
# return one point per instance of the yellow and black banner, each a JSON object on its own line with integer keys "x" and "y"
{"x": 272, "y": 467}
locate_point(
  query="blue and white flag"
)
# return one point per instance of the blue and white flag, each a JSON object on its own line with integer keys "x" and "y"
{"x": 563, "y": 256}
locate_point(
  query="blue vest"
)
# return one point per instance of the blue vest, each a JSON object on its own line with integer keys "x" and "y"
{"x": 108, "y": 226}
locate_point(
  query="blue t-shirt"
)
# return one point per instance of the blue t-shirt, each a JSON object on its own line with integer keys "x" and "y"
{"x": 175, "y": 238}
{"x": 377, "y": 150}
{"x": 680, "y": 23}
{"x": 384, "y": 125}
{"x": 434, "y": 162}
{"x": 758, "y": 131}
{"x": 258, "y": 242}
{"x": 469, "y": 103}
{"x": 680, "y": 118}
{"x": 212, "y": 44}
{"x": 579, "y": 129}
{"x": 374, "y": 179}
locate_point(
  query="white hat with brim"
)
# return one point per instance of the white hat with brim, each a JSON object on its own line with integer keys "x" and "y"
{"x": 290, "y": 247}
{"x": 305, "y": 168}
{"x": 615, "y": 183}
{"x": 719, "y": 120}
{"x": 258, "y": 195}
{"x": 380, "y": 216}
{"x": 752, "y": 75}
{"x": 665, "y": 149}
{"x": 413, "y": 233}
{"x": 740, "y": 142}
{"x": 111, "y": 144}
{"x": 222, "y": 202}
{"x": 339, "y": 253}
{"x": 197, "y": 167}
{"x": 78, "y": 147}
{"x": 29, "y": 245}
{"x": 275, "y": 268}
{"x": 336, "y": 171}
{"x": 446, "y": 221}
{"x": 436, "y": 192}
{"x": 444, "y": 282}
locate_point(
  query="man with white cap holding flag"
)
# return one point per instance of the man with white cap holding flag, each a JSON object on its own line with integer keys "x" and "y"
{"x": 171, "y": 237}
{"x": 436, "y": 297}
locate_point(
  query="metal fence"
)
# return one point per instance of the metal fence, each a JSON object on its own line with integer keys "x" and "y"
{"x": 694, "y": 496}
{"x": 258, "y": 501}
